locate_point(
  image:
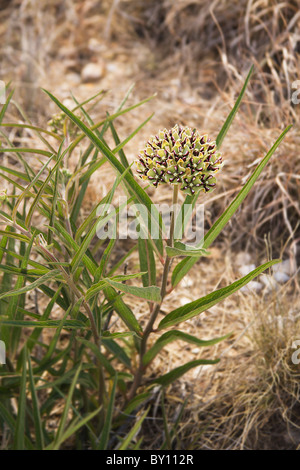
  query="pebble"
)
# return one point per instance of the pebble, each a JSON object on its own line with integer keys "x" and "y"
{"x": 281, "y": 273}
{"x": 246, "y": 269}
{"x": 92, "y": 72}
{"x": 252, "y": 286}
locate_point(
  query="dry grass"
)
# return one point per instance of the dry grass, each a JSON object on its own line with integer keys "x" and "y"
{"x": 195, "y": 54}
{"x": 252, "y": 401}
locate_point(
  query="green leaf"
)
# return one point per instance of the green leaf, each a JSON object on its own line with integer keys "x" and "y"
{"x": 108, "y": 119}
{"x": 39, "y": 436}
{"x": 233, "y": 112}
{"x": 34, "y": 336}
{"x": 147, "y": 262}
{"x": 226, "y": 216}
{"x": 108, "y": 335}
{"x": 108, "y": 419}
{"x": 5, "y": 106}
{"x": 75, "y": 426}
{"x": 175, "y": 335}
{"x": 20, "y": 424}
{"x": 64, "y": 417}
{"x": 73, "y": 324}
{"x": 138, "y": 400}
{"x": 101, "y": 285}
{"x": 103, "y": 360}
{"x": 33, "y": 128}
{"x": 192, "y": 309}
{"x": 23, "y": 272}
{"x": 101, "y": 270}
{"x": 135, "y": 429}
{"x": 170, "y": 377}
{"x": 121, "y": 152}
{"x": 19, "y": 300}
{"x": 180, "y": 249}
{"x": 121, "y": 262}
{"x": 117, "y": 351}
{"x": 63, "y": 234}
{"x": 185, "y": 265}
{"x": 151, "y": 293}
{"x": 55, "y": 273}
{"x": 124, "y": 312}
{"x": 16, "y": 236}
{"x": 27, "y": 150}
{"x": 125, "y": 141}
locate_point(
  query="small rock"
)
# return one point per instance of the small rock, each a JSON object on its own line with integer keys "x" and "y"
{"x": 281, "y": 277}
{"x": 68, "y": 103}
{"x": 252, "y": 286}
{"x": 187, "y": 282}
{"x": 195, "y": 351}
{"x": 283, "y": 271}
{"x": 95, "y": 45}
{"x": 242, "y": 258}
{"x": 184, "y": 300}
{"x": 92, "y": 72}
{"x": 246, "y": 269}
{"x": 269, "y": 282}
{"x": 73, "y": 79}
{"x": 67, "y": 52}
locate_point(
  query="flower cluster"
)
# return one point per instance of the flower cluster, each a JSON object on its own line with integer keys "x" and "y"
{"x": 59, "y": 124}
{"x": 180, "y": 156}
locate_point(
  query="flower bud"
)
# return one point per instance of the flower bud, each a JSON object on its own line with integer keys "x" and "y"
{"x": 180, "y": 156}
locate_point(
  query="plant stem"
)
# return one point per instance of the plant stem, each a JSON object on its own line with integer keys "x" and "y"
{"x": 156, "y": 308}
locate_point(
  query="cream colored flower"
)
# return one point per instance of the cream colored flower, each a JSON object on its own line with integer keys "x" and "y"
{"x": 180, "y": 156}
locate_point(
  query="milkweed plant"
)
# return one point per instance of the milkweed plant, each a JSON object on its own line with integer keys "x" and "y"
{"x": 51, "y": 260}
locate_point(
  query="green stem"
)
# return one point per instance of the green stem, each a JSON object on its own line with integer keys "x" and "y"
{"x": 149, "y": 327}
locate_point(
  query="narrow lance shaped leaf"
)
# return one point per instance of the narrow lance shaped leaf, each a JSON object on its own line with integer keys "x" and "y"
{"x": 233, "y": 112}
{"x": 124, "y": 312}
{"x": 34, "y": 128}
{"x": 119, "y": 353}
{"x": 175, "y": 335}
{"x": 75, "y": 324}
{"x": 103, "y": 360}
{"x": 180, "y": 249}
{"x": 99, "y": 286}
{"x": 192, "y": 309}
{"x": 108, "y": 419}
{"x": 20, "y": 425}
{"x": 170, "y": 377}
{"x": 151, "y": 293}
{"x": 64, "y": 417}
{"x": 147, "y": 262}
{"x": 50, "y": 275}
{"x": 132, "y": 433}
{"x": 5, "y": 106}
{"x": 39, "y": 435}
